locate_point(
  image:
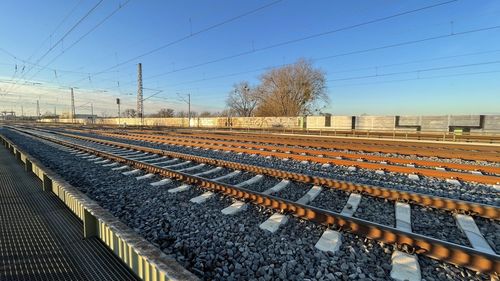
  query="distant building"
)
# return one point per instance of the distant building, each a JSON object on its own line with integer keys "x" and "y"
{"x": 7, "y": 115}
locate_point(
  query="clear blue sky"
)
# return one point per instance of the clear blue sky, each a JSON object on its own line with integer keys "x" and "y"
{"x": 407, "y": 83}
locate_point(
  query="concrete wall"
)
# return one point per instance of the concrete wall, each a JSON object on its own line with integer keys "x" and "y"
{"x": 491, "y": 124}
{"x": 314, "y": 122}
{"x": 266, "y": 122}
{"x": 375, "y": 123}
{"x": 341, "y": 122}
{"x": 440, "y": 123}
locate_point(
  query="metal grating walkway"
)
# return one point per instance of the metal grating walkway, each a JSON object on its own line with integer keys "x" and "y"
{"x": 40, "y": 239}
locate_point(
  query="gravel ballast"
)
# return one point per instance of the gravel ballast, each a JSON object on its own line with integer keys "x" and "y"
{"x": 220, "y": 247}
{"x": 473, "y": 192}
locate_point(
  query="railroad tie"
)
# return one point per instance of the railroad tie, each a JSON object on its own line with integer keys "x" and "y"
{"x": 154, "y": 160}
{"x": 114, "y": 164}
{"x": 166, "y": 162}
{"x": 236, "y": 207}
{"x": 146, "y": 176}
{"x": 192, "y": 168}
{"x": 202, "y": 198}
{"x": 178, "y": 189}
{"x": 161, "y": 182}
{"x": 310, "y": 195}
{"x": 453, "y": 181}
{"x": 468, "y": 226}
{"x": 177, "y": 165}
{"x": 133, "y": 172}
{"x": 331, "y": 240}
{"x": 251, "y": 181}
{"x": 278, "y": 187}
{"x": 228, "y": 176}
{"x": 273, "y": 223}
{"x": 143, "y": 157}
{"x": 239, "y": 206}
{"x": 413, "y": 177}
{"x": 206, "y": 173}
{"x": 404, "y": 266}
{"x": 94, "y": 159}
{"x": 120, "y": 168}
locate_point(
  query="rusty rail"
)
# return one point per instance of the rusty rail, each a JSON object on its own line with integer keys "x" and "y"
{"x": 333, "y": 144}
{"x": 482, "y": 210}
{"x": 434, "y": 248}
{"x": 485, "y": 179}
{"x": 314, "y": 153}
{"x": 349, "y": 140}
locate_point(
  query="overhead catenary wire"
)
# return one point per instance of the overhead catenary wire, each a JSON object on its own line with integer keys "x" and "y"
{"x": 304, "y": 38}
{"x": 193, "y": 34}
{"x": 325, "y": 58}
{"x": 88, "y": 13}
{"x": 415, "y": 71}
{"x": 388, "y": 46}
{"x": 339, "y": 71}
{"x": 120, "y": 6}
{"x": 56, "y": 28}
{"x": 417, "y": 78}
{"x": 337, "y": 55}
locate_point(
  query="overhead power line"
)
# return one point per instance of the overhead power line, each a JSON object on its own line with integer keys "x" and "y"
{"x": 61, "y": 39}
{"x": 70, "y": 30}
{"x": 57, "y": 28}
{"x": 416, "y": 71}
{"x": 417, "y": 78}
{"x": 193, "y": 34}
{"x": 288, "y": 42}
{"x": 120, "y": 6}
{"x": 340, "y": 71}
{"x": 337, "y": 55}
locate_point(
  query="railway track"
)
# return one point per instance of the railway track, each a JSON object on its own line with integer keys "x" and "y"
{"x": 361, "y": 134}
{"x": 467, "y": 152}
{"x": 463, "y": 172}
{"x": 283, "y": 170}
{"x": 376, "y": 142}
{"x": 186, "y": 168}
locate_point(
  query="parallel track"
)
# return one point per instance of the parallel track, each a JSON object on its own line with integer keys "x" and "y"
{"x": 491, "y": 153}
{"x": 434, "y": 248}
{"x": 314, "y": 156}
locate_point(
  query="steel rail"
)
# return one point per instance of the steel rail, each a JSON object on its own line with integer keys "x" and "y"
{"x": 485, "y": 179}
{"x": 397, "y": 135}
{"x": 314, "y": 153}
{"x": 453, "y": 205}
{"x": 378, "y": 142}
{"x": 481, "y": 156}
{"x": 434, "y": 248}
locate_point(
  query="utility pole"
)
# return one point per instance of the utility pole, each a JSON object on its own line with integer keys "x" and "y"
{"x": 55, "y": 114}
{"x": 140, "y": 100}
{"x": 118, "y": 103}
{"x": 92, "y": 112}
{"x": 72, "y": 106}
{"x": 188, "y": 101}
{"x": 37, "y": 109}
{"x": 22, "y": 111}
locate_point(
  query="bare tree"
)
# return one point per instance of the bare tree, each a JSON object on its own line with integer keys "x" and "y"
{"x": 291, "y": 90}
{"x": 181, "y": 114}
{"x": 130, "y": 112}
{"x": 206, "y": 114}
{"x": 163, "y": 113}
{"x": 242, "y": 100}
